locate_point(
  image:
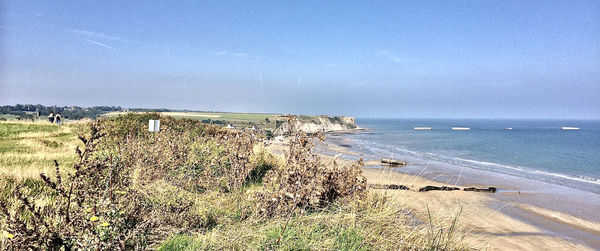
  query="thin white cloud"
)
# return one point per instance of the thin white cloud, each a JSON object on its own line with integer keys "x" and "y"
{"x": 100, "y": 44}
{"x": 230, "y": 53}
{"x": 398, "y": 59}
{"x": 392, "y": 56}
{"x": 102, "y": 36}
{"x": 219, "y": 53}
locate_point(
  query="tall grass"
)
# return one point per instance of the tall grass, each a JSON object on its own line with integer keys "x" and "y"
{"x": 378, "y": 222}
{"x": 194, "y": 186}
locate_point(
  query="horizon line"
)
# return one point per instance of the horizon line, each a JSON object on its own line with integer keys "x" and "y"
{"x": 305, "y": 114}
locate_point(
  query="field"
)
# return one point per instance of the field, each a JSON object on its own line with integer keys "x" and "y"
{"x": 239, "y": 120}
{"x": 11, "y": 117}
{"x": 200, "y": 188}
{"x": 28, "y": 149}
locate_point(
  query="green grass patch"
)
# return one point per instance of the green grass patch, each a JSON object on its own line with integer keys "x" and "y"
{"x": 8, "y": 129}
{"x": 177, "y": 242}
{"x": 240, "y": 120}
{"x": 9, "y": 141}
{"x": 27, "y": 149}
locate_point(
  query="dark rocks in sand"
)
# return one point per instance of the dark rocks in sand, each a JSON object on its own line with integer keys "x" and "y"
{"x": 442, "y": 188}
{"x": 446, "y": 188}
{"x": 432, "y": 188}
{"x": 392, "y": 162}
{"x": 483, "y": 190}
{"x": 392, "y": 186}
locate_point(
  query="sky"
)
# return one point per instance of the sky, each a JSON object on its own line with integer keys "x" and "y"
{"x": 404, "y": 59}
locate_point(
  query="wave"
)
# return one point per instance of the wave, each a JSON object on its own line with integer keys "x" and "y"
{"x": 442, "y": 157}
{"x": 485, "y": 163}
{"x": 409, "y": 151}
{"x": 462, "y": 161}
{"x": 375, "y": 149}
{"x": 581, "y": 178}
{"x": 586, "y": 179}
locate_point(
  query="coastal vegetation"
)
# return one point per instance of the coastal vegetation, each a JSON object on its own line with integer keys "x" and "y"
{"x": 239, "y": 120}
{"x": 30, "y": 112}
{"x": 271, "y": 124}
{"x": 109, "y": 184}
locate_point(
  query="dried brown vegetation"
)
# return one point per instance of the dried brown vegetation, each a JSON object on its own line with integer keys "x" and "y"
{"x": 133, "y": 189}
{"x": 119, "y": 195}
{"x": 305, "y": 182}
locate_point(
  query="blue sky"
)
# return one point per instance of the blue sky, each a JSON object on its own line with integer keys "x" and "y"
{"x": 465, "y": 59}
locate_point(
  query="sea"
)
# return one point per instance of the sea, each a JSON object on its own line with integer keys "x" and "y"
{"x": 537, "y": 150}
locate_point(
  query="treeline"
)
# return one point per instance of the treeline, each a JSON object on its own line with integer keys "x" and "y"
{"x": 29, "y": 111}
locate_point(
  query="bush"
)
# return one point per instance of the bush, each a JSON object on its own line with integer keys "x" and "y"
{"x": 305, "y": 182}
{"x": 132, "y": 188}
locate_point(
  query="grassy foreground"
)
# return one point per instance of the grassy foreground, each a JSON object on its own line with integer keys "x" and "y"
{"x": 192, "y": 187}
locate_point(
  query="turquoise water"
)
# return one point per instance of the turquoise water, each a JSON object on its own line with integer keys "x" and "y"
{"x": 534, "y": 149}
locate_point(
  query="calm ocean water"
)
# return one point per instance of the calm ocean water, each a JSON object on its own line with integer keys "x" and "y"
{"x": 533, "y": 149}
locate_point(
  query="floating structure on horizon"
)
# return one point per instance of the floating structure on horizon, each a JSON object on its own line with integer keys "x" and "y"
{"x": 421, "y": 128}
{"x": 461, "y": 129}
{"x": 569, "y": 128}
{"x": 508, "y": 128}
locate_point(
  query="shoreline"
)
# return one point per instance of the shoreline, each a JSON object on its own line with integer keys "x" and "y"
{"x": 522, "y": 214}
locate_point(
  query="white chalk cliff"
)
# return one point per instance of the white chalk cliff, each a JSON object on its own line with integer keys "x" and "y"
{"x": 312, "y": 124}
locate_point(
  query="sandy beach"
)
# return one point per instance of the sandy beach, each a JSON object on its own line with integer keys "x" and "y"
{"x": 484, "y": 217}
{"x": 517, "y": 217}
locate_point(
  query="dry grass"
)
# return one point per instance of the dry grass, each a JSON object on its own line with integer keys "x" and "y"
{"x": 304, "y": 182}
{"x": 28, "y": 148}
{"x": 200, "y": 188}
{"x": 378, "y": 222}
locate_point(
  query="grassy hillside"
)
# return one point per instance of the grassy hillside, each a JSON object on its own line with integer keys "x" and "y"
{"x": 265, "y": 121}
{"x": 192, "y": 187}
{"x": 240, "y": 120}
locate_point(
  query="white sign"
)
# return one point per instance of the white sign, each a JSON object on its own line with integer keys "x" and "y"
{"x": 154, "y": 125}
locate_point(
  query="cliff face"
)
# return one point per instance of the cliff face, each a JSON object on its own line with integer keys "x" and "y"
{"x": 312, "y": 124}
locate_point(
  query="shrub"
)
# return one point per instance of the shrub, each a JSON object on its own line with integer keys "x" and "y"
{"x": 238, "y": 148}
{"x": 131, "y": 188}
{"x": 305, "y": 182}
{"x": 188, "y": 153}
